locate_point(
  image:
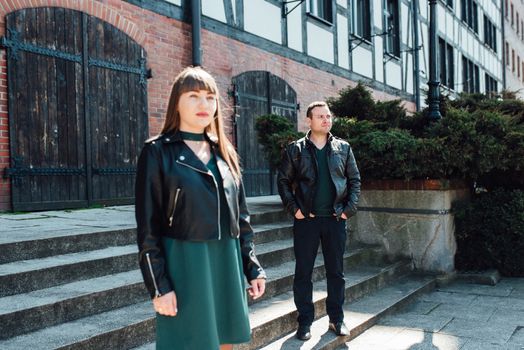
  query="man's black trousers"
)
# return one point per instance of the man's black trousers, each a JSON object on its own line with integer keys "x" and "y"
{"x": 308, "y": 234}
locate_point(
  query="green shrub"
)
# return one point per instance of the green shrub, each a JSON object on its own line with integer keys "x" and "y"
{"x": 490, "y": 232}
{"x": 274, "y": 132}
{"x": 479, "y": 139}
{"x": 353, "y": 102}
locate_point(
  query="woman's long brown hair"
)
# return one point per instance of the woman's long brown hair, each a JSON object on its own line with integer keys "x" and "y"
{"x": 195, "y": 79}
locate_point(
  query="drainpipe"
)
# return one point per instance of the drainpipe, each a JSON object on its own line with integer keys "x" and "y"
{"x": 434, "y": 93}
{"x": 503, "y": 43}
{"x": 196, "y": 21}
{"x": 416, "y": 64}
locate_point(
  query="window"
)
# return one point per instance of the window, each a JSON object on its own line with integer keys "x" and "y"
{"x": 512, "y": 15}
{"x": 470, "y": 76}
{"x": 490, "y": 34}
{"x": 491, "y": 85}
{"x": 523, "y": 71}
{"x": 470, "y": 14}
{"x": 446, "y": 64}
{"x": 518, "y": 23}
{"x": 362, "y": 19}
{"x": 392, "y": 25}
{"x": 507, "y": 54}
{"x": 512, "y": 60}
{"x": 321, "y": 9}
{"x": 506, "y": 8}
{"x": 449, "y": 3}
{"x": 518, "y": 66}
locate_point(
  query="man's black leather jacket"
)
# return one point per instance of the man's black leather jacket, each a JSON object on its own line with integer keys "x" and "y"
{"x": 177, "y": 196}
{"x": 298, "y": 173}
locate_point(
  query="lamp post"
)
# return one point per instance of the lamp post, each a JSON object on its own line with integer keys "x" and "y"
{"x": 434, "y": 92}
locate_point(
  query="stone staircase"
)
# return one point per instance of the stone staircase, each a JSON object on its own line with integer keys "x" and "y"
{"x": 83, "y": 290}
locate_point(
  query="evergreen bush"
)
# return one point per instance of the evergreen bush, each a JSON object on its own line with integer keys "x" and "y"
{"x": 274, "y": 132}
{"x": 490, "y": 232}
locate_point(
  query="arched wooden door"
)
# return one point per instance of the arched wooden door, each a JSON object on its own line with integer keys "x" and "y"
{"x": 77, "y": 109}
{"x": 258, "y": 93}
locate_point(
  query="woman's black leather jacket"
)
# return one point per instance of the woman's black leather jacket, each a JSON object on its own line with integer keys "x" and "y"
{"x": 297, "y": 176}
{"x": 177, "y": 197}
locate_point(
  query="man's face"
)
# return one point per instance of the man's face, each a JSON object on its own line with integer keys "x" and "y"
{"x": 320, "y": 121}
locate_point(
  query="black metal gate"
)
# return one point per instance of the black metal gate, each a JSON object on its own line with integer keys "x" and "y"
{"x": 258, "y": 93}
{"x": 77, "y": 109}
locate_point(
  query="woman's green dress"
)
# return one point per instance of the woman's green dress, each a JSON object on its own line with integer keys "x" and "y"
{"x": 209, "y": 284}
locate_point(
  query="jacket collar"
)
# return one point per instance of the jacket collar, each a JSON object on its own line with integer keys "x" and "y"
{"x": 175, "y": 136}
{"x": 309, "y": 142}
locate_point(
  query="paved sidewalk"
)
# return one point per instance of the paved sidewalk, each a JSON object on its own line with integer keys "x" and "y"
{"x": 457, "y": 316}
{"x": 56, "y": 223}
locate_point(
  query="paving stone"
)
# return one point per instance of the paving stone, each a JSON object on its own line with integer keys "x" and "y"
{"x": 414, "y": 321}
{"x": 517, "y": 338}
{"x": 477, "y": 289}
{"x": 489, "y": 331}
{"x": 420, "y": 340}
{"x": 507, "y": 316}
{"x": 486, "y": 300}
{"x": 449, "y": 298}
{"x": 469, "y": 312}
{"x": 374, "y": 338}
{"x": 517, "y": 293}
{"x": 420, "y": 307}
{"x": 474, "y": 344}
{"x": 515, "y": 283}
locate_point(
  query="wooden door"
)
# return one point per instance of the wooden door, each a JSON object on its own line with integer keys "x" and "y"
{"x": 258, "y": 93}
{"x": 60, "y": 108}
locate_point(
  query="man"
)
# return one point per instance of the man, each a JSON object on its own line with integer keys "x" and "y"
{"x": 319, "y": 184}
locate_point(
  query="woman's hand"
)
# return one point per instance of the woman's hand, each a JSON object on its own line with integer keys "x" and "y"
{"x": 299, "y": 215}
{"x": 166, "y": 304}
{"x": 258, "y": 287}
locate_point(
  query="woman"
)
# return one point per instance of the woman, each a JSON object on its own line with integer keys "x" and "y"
{"x": 193, "y": 230}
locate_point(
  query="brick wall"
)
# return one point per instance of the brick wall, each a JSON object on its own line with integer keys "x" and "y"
{"x": 168, "y": 46}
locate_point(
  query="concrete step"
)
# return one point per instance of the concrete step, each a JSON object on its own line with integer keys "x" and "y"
{"x": 359, "y": 315}
{"x": 19, "y": 245}
{"x": 273, "y": 231}
{"x": 275, "y": 252}
{"x": 122, "y": 328}
{"x": 28, "y": 275}
{"x": 274, "y": 317}
{"x": 31, "y": 311}
{"x": 267, "y": 214}
{"x": 33, "y": 274}
{"x": 134, "y": 325}
{"x": 281, "y": 276}
{"x": 23, "y": 313}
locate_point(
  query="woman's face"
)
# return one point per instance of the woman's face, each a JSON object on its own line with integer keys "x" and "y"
{"x": 197, "y": 110}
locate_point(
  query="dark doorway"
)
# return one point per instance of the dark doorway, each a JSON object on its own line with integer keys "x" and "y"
{"x": 258, "y": 93}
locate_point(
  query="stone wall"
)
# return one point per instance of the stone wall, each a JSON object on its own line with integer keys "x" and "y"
{"x": 411, "y": 220}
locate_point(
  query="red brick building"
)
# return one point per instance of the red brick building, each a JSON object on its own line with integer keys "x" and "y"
{"x": 78, "y": 77}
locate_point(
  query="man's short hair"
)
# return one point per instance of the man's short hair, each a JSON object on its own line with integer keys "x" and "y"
{"x": 313, "y": 105}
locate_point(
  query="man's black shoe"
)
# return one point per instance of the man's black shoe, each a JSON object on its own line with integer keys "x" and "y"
{"x": 339, "y": 328}
{"x": 303, "y": 333}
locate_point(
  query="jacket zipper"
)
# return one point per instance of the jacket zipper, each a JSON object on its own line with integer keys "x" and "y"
{"x": 157, "y": 293}
{"x": 174, "y": 207}
{"x": 216, "y": 186}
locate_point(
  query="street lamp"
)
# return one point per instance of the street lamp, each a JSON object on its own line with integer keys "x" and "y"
{"x": 434, "y": 83}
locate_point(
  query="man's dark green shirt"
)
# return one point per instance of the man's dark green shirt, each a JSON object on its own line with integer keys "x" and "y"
{"x": 326, "y": 192}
